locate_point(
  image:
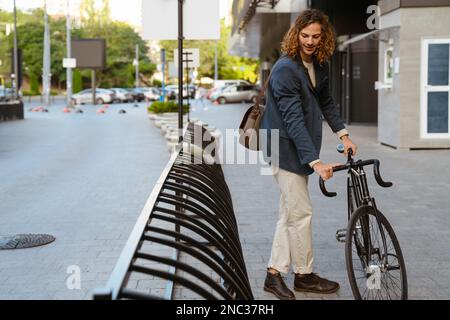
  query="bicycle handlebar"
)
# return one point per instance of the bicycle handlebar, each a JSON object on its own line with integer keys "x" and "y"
{"x": 352, "y": 165}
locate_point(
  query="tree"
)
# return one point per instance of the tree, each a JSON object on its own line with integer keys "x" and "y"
{"x": 6, "y": 18}
{"x": 31, "y": 40}
{"x": 120, "y": 38}
{"x": 230, "y": 67}
{"x": 121, "y": 41}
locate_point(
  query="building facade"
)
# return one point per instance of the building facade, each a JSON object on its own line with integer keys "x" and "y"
{"x": 414, "y": 73}
{"x": 391, "y": 68}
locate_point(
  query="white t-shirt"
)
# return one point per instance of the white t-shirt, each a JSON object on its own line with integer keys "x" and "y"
{"x": 312, "y": 73}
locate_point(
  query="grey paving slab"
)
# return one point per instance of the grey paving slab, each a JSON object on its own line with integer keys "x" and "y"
{"x": 418, "y": 207}
{"x": 84, "y": 178}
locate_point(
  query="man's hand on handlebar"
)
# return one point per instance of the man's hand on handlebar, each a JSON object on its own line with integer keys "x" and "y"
{"x": 348, "y": 144}
{"x": 325, "y": 171}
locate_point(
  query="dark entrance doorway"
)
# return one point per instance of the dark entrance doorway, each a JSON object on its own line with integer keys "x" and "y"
{"x": 354, "y": 70}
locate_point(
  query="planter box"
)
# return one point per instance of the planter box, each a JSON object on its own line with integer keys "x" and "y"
{"x": 11, "y": 111}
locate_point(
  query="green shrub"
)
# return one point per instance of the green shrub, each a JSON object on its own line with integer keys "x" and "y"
{"x": 156, "y": 83}
{"x": 34, "y": 85}
{"x": 77, "y": 81}
{"x": 169, "y": 106}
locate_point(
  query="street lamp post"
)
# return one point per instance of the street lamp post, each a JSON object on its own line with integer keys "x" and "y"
{"x": 137, "y": 65}
{"x": 16, "y": 58}
{"x": 216, "y": 66}
{"x": 163, "y": 84}
{"x": 180, "y": 71}
{"x": 46, "y": 76}
{"x": 69, "y": 55}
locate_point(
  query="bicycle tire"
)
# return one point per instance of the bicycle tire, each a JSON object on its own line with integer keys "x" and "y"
{"x": 353, "y": 230}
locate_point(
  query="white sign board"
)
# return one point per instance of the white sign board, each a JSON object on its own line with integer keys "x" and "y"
{"x": 69, "y": 63}
{"x": 173, "y": 70}
{"x": 190, "y": 55}
{"x": 201, "y": 19}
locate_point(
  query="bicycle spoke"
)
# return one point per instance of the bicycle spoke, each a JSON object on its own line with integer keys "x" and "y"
{"x": 393, "y": 282}
{"x": 374, "y": 254}
{"x": 394, "y": 291}
{"x": 386, "y": 289}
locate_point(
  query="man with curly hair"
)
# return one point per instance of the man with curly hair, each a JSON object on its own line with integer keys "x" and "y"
{"x": 298, "y": 95}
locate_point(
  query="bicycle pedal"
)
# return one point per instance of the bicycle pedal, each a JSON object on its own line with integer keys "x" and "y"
{"x": 340, "y": 235}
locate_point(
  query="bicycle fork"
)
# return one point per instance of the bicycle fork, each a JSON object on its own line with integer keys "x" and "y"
{"x": 367, "y": 238}
{"x": 358, "y": 194}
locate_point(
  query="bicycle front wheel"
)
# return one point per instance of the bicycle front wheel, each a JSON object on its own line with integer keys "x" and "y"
{"x": 376, "y": 270}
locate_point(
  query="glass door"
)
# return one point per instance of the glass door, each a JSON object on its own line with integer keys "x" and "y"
{"x": 435, "y": 97}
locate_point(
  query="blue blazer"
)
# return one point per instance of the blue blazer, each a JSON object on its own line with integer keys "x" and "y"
{"x": 295, "y": 108}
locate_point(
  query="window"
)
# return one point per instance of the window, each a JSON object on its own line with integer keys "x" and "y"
{"x": 389, "y": 65}
{"x": 435, "y": 92}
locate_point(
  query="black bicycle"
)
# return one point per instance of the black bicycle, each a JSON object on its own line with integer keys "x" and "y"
{"x": 375, "y": 264}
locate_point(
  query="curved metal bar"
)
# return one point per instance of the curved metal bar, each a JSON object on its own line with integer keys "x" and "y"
{"x": 197, "y": 182}
{"x": 232, "y": 268}
{"x": 202, "y": 212}
{"x": 204, "y": 195}
{"x": 193, "y": 182}
{"x": 193, "y": 194}
{"x": 169, "y": 276}
{"x": 203, "y": 175}
{"x": 187, "y": 268}
{"x": 216, "y": 266}
{"x": 211, "y": 169}
{"x": 211, "y": 172}
{"x": 197, "y": 210}
{"x": 229, "y": 274}
{"x": 206, "y": 233}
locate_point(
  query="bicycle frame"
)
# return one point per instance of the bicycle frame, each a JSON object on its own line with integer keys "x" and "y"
{"x": 358, "y": 195}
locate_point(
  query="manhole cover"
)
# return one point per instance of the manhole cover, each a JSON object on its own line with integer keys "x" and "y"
{"x": 22, "y": 241}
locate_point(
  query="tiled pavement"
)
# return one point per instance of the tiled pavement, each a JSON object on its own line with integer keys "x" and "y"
{"x": 85, "y": 178}
{"x": 82, "y": 178}
{"x": 418, "y": 207}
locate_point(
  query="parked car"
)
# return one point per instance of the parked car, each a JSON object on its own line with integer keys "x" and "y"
{"x": 226, "y": 83}
{"x": 137, "y": 94}
{"x": 201, "y": 93}
{"x": 171, "y": 93}
{"x": 102, "y": 96}
{"x": 236, "y": 93}
{"x": 122, "y": 95}
{"x": 214, "y": 91}
{"x": 174, "y": 88}
{"x": 6, "y": 94}
{"x": 151, "y": 93}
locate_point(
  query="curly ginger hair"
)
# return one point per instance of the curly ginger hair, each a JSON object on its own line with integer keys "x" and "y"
{"x": 291, "y": 43}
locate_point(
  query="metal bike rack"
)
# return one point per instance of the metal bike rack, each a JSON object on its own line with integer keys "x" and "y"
{"x": 193, "y": 199}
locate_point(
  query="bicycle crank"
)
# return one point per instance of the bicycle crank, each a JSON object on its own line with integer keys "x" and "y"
{"x": 340, "y": 235}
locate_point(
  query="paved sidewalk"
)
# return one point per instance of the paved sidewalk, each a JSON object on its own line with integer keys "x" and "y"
{"x": 83, "y": 178}
{"x": 418, "y": 207}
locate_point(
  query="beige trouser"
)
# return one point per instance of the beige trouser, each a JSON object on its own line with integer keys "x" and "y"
{"x": 292, "y": 244}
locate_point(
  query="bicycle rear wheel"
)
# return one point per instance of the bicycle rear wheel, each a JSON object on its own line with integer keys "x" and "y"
{"x": 375, "y": 273}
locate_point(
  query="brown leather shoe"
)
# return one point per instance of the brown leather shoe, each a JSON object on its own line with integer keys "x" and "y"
{"x": 315, "y": 284}
{"x": 275, "y": 284}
